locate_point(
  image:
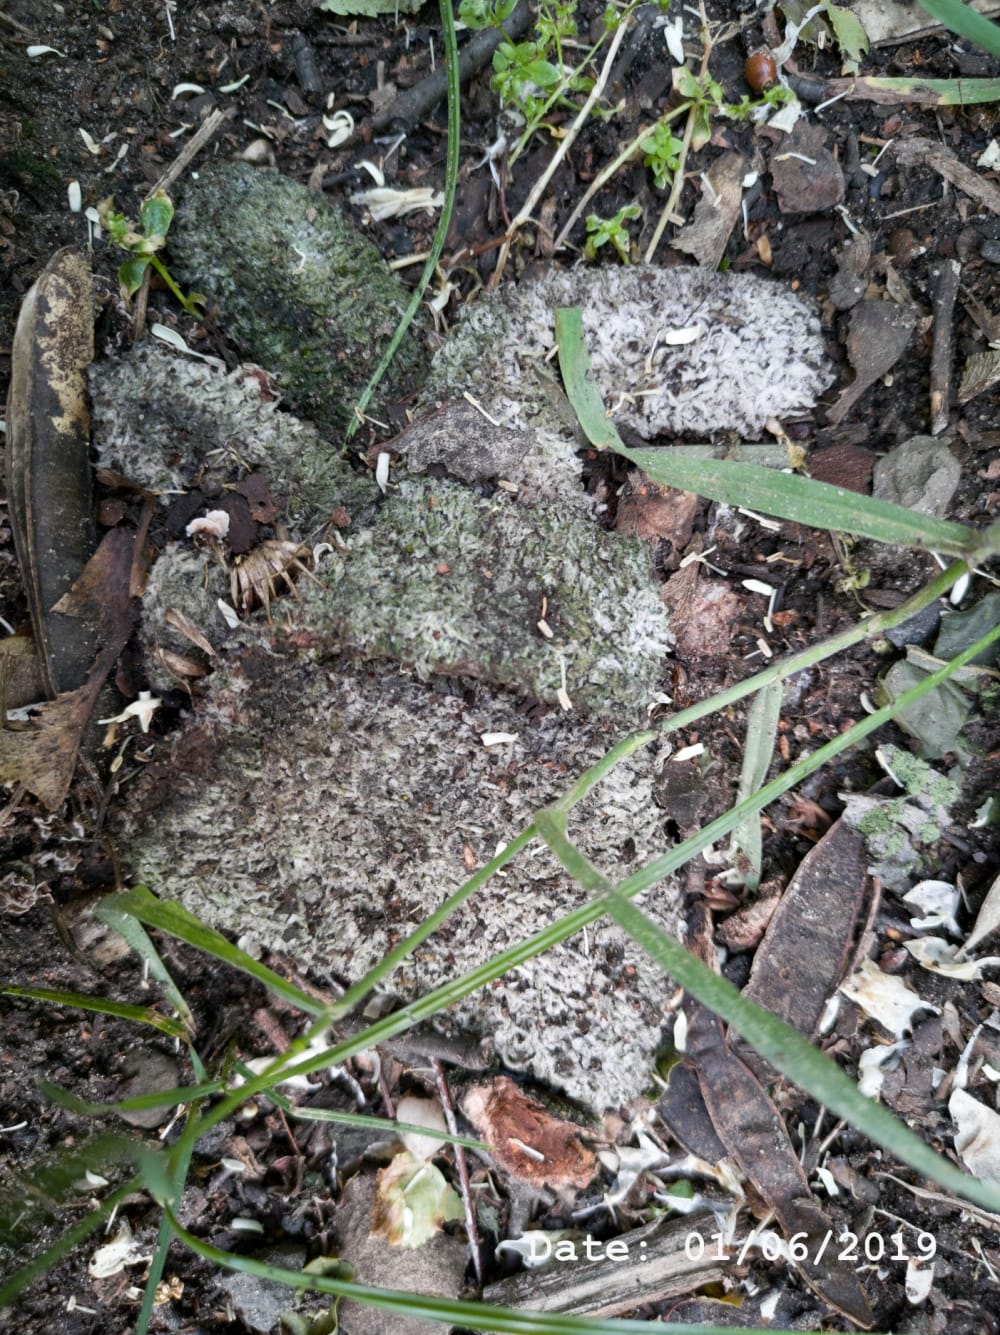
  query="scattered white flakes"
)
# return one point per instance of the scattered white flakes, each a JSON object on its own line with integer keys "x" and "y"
{"x": 885, "y": 998}
{"x": 764, "y": 647}
{"x": 673, "y": 35}
{"x": 122, "y": 150}
{"x": 186, "y": 90}
{"x": 750, "y": 179}
{"x": 937, "y": 955}
{"x": 977, "y": 1137}
{"x": 773, "y": 524}
{"x": 256, "y": 152}
{"x": 959, "y": 589}
{"x": 545, "y": 629}
{"x": 229, "y": 614}
{"x": 95, "y": 1180}
{"x": 232, "y": 87}
{"x": 689, "y": 752}
{"x": 382, "y": 470}
{"x": 114, "y": 1256}
{"x": 143, "y": 709}
{"x": 678, "y": 337}
{"x": 536, "y": 1246}
{"x": 244, "y": 1225}
{"x": 989, "y": 159}
{"x": 829, "y": 1181}
{"x": 74, "y": 197}
{"x": 339, "y": 128}
{"x": 872, "y": 1067}
{"x": 679, "y": 1037}
{"x": 421, "y": 1112}
{"x": 373, "y": 171}
{"x": 787, "y": 117}
{"x": 938, "y": 900}
{"x": 33, "y": 52}
{"x": 919, "y": 1281}
{"x": 214, "y": 524}
{"x": 90, "y": 143}
{"x": 167, "y": 335}
{"x": 867, "y": 703}
{"x": 386, "y": 202}
{"x": 497, "y": 738}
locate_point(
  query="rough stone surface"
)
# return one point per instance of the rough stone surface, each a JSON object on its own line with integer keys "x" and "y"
{"x": 167, "y": 423}
{"x": 759, "y": 352}
{"x": 304, "y": 292}
{"x": 325, "y": 808}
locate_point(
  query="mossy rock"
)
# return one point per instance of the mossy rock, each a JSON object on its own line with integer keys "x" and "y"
{"x": 298, "y": 286}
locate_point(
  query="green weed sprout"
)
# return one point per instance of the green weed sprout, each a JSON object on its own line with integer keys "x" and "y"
{"x": 601, "y": 231}
{"x": 155, "y": 217}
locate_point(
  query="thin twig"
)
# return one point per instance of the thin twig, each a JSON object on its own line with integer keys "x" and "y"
{"x": 463, "y": 1169}
{"x": 678, "y": 181}
{"x": 606, "y": 173}
{"x": 193, "y": 146}
{"x": 943, "y": 294}
{"x": 565, "y": 145}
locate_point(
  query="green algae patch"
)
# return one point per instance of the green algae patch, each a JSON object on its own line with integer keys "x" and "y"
{"x": 298, "y": 286}
{"x": 529, "y": 598}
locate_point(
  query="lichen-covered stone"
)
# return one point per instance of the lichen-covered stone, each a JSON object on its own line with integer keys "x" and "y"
{"x": 325, "y": 808}
{"x": 751, "y": 349}
{"x": 169, "y": 423}
{"x": 452, "y": 582}
{"x": 298, "y": 286}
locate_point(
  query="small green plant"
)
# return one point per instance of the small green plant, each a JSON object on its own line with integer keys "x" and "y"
{"x": 662, "y": 149}
{"x": 155, "y": 217}
{"x": 601, "y": 231}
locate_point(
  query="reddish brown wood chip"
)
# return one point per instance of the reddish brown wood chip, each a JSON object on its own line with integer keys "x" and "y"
{"x": 526, "y": 1141}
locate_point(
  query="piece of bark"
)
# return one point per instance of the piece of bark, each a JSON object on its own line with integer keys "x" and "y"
{"x": 944, "y": 292}
{"x": 716, "y": 213}
{"x": 809, "y": 942}
{"x": 878, "y": 336}
{"x": 651, "y": 1265}
{"x": 49, "y": 483}
{"x": 754, "y": 1134}
{"x": 807, "y": 177}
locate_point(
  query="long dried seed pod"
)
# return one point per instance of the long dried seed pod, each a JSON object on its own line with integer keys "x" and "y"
{"x": 49, "y": 480}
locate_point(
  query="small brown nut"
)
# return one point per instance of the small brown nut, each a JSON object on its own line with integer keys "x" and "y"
{"x": 760, "y": 71}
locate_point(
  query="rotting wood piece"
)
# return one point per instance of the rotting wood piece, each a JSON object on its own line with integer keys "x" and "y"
{"x": 49, "y": 481}
{"x": 645, "y": 1265}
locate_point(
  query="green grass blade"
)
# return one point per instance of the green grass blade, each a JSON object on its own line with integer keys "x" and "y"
{"x": 161, "y": 1098}
{"x": 175, "y": 920}
{"x": 132, "y": 931}
{"x": 964, "y": 20}
{"x": 762, "y": 733}
{"x": 120, "y": 1009}
{"x": 80, "y": 1231}
{"x": 785, "y": 495}
{"x": 787, "y": 1051}
{"x": 448, "y": 1311}
{"x": 937, "y": 92}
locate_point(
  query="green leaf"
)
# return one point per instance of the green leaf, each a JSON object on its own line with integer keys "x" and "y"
{"x": 412, "y": 1201}
{"x": 762, "y": 733}
{"x": 165, "y": 1098}
{"x": 787, "y": 496}
{"x": 100, "y": 1006}
{"x": 962, "y": 19}
{"x": 849, "y": 32}
{"x": 138, "y": 938}
{"x": 174, "y": 919}
{"x": 155, "y": 216}
{"x": 131, "y": 272}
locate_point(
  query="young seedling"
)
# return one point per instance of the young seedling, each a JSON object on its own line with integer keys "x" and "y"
{"x": 155, "y": 218}
{"x": 600, "y": 231}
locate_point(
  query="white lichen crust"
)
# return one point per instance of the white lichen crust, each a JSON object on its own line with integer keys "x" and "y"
{"x": 757, "y": 353}
{"x": 324, "y": 809}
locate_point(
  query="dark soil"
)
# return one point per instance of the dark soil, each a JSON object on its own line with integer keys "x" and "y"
{"x": 114, "y": 79}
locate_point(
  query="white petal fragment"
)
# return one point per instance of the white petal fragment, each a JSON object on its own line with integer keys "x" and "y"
{"x": 884, "y": 997}
{"x": 215, "y": 524}
{"x": 143, "y": 709}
